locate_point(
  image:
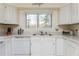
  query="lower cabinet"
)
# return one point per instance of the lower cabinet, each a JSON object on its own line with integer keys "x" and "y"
{"x": 21, "y": 46}
{"x": 59, "y": 44}
{"x": 8, "y": 46}
{"x": 71, "y": 48}
{"x": 47, "y": 47}
{"x": 42, "y": 46}
{"x": 66, "y": 47}
{"x": 35, "y": 46}
{"x": 2, "y": 47}
{"x": 38, "y": 46}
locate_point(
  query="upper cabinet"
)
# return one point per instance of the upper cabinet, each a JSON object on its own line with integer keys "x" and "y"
{"x": 69, "y": 14}
{"x": 65, "y": 15}
{"x": 74, "y": 13}
{"x": 8, "y": 14}
{"x": 2, "y": 13}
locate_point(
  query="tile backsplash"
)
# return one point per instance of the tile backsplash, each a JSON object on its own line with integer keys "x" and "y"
{"x": 73, "y": 27}
{"x": 3, "y": 29}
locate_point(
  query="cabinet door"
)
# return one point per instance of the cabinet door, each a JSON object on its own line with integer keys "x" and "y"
{"x": 46, "y": 47}
{"x": 65, "y": 15}
{"x": 42, "y": 46}
{"x": 2, "y": 50}
{"x": 8, "y": 46}
{"x": 71, "y": 48}
{"x": 2, "y": 47}
{"x": 59, "y": 46}
{"x": 21, "y": 46}
{"x": 62, "y": 16}
{"x": 35, "y": 46}
{"x": 11, "y": 13}
{"x": 14, "y": 16}
{"x": 78, "y": 13}
{"x": 77, "y": 51}
{"x": 7, "y": 15}
{"x": 74, "y": 10}
{"x": 2, "y": 13}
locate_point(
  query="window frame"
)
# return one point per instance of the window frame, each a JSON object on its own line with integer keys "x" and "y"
{"x": 37, "y": 21}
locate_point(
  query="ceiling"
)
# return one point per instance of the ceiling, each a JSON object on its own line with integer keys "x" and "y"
{"x": 43, "y": 5}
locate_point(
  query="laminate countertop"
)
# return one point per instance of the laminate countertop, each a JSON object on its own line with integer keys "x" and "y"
{"x": 74, "y": 39}
{"x": 66, "y": 37}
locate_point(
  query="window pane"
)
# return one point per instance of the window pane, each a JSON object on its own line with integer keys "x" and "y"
{"x": 31, "y": 20}
{"x": 38, "y": 20}
{"x": 45, "y": 20}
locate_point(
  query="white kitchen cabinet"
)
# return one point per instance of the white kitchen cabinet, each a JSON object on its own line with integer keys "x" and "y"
{"x": 35, "y": 46}
{"x": 5, "y": 46}
{"x": 59, "y": 50}
{"x": 2, "y": 13}
{"x": 71, "y": 48}
{"x": 10, "y": 15}
{"x": 8, "y": 46}
{"x": 14, "y": 16}
{"x": 69, "y": 14}
{"x": 2, "y": 46}
{"x": 74, "y": 14}
{"x": 62, "y": 16}
{"x": 47, "y": 46}
{"x": 65, "y": 15}
{"x": 21, "y": 46}
{"x": 78, "y": 13}
{"x": 7, "y": 14}
{"x": 66, "y": 47}
{"x": 42, "y": 46}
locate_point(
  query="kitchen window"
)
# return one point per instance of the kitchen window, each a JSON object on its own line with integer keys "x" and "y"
{"x": 45, "y": 20}
{"x": 38, "y": 20}
{"x": 31, "y": 20}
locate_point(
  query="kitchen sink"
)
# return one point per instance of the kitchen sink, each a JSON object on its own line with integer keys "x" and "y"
{"x": 22, "y": 36}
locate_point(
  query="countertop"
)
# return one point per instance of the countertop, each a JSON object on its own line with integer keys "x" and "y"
{"x": 74, "y": 39}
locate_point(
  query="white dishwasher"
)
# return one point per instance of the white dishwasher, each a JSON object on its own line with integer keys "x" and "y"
{"x": 21, "y": 46}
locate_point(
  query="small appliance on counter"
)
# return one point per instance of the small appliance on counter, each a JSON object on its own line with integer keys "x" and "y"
{"x": 72, "y": 32}
{"x": 66, "y": 32}
{"x": 9, "y": 31}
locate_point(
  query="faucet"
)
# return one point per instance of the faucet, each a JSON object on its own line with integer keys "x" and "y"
{"x": 41, "y": 33}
